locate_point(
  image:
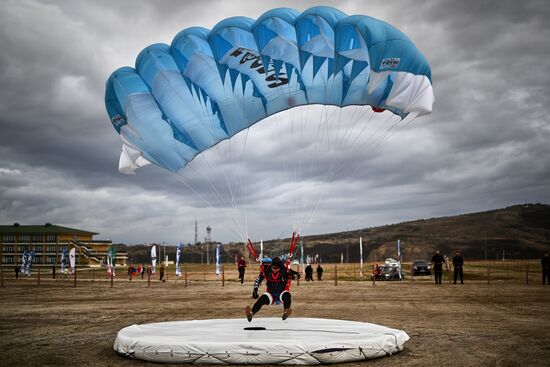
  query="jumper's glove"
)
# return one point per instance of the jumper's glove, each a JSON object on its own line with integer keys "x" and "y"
{"x": 255, "y": 293}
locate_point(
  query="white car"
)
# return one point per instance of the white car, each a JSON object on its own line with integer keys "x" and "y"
{"x": 391, "y": 262}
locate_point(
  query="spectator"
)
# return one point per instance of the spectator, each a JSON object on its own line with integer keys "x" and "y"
{"x": 319, "y": 273}
{"x": 309, "y": 273}
{"x": 53, "y": 271}
{"x": 17, "y": 271}
{"x": 241, "y": 267}
{"x": 458, "y": 263}
{"x": 142, "y": 271}
{"x": 437, "y": 263}
{"x": 545, "y": 262}
{"x": 161, "y": 273}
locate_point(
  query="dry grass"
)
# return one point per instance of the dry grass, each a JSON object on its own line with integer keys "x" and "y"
{"x": 505, "y": 323}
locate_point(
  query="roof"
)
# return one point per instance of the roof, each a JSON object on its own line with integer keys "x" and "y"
{"x": 16, "y": 228}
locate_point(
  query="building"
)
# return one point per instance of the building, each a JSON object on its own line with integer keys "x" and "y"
{"x": 48, "y": 241}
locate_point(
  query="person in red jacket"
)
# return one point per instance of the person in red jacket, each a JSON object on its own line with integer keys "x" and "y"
{"x": 278, "y": 279}
{"x": 241, "y": 266}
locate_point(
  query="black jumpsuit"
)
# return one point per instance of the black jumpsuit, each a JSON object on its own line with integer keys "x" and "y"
{"x": 277, "y": 287}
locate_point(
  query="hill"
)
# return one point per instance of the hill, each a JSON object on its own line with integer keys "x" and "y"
{"x": 517, "y": 232}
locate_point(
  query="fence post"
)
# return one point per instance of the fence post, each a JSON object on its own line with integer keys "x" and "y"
{"x": 298, "y": 280}
{"x": 185, "y": 274}
{"x": 412, "y": 274}
{"x": 223, "y": 277}
{"x": 527, "y": 274}
{"x": 112, "y": 276}
{"x": 488, "y": 274}
{"x": 148, "y": 277}
{"x": 75, "y": 276}
{"x": 2, "y": 275}
{"x": 354, "y": 271}
{"x": 335, "y": 275}
{"x": 38, "y": 279}
{"x": 373, "y": 275}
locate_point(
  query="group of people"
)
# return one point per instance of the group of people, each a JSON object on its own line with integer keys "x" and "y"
{"x": 437, "y": 265}
{"x": 458, "y": 264}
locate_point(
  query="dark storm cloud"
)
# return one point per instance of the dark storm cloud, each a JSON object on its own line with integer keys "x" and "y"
{"x": 485, "y": 145}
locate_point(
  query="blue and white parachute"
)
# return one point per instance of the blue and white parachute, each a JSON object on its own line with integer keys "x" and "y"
{"x": 181, "y": 99}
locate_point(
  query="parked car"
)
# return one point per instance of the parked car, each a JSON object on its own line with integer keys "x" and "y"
{"x": 421, "y": 267}
{"x": 390, "y": 261}
{"x": 387, "y": 273}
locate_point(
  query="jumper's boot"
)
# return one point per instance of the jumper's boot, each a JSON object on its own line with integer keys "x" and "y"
{"x": 286, "y": 313}
{"x": 248, "y": 313}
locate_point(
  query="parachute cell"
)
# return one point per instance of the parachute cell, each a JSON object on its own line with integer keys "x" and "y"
{"x": 208, "y": 85}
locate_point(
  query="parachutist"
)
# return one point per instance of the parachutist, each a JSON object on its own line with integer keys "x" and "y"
{"x": 278, "y": 279}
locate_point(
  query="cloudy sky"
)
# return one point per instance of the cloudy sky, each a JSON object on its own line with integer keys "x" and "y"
{"x": 486, "y": 145}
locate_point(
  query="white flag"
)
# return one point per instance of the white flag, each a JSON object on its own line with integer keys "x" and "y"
{"x": 72, "y": 259}
{"x": 218, "y": 260}
{"x": 361, "y": 256}
{"x": 153, "y": 259}
{"x": 178, "y": 255}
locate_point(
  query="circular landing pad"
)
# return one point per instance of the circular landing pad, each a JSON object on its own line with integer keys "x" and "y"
{"x": 262, "y": 341}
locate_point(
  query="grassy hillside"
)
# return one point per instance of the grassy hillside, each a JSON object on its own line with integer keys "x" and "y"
{"x": 520, "y": 231}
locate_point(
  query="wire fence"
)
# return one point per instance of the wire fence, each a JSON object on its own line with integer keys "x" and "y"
{"x": 477, "y": 271}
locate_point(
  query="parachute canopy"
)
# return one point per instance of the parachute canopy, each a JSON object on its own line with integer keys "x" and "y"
{"x": 208, "y": 85}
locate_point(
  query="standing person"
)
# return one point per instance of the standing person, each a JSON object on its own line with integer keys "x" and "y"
{"x": 17, "y": 271}
{"x": 545, "y": 263}
{"x": 142, "y": 271}
{"x": 437, "y": 263}
{"x": 53, "y": 271}
{"x": 319, "y": 273}
{"x": 277, "y": 288}
{"x": 241, "y": 266}
{"x": 161, "y": 273}
{"x": 309, "y": 273}
{"x": 458, "y": 263}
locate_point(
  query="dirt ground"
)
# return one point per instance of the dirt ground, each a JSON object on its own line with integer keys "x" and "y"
{"x": 501, "y": 324}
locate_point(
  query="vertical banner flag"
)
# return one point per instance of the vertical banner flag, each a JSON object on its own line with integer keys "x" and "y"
{"x": 399, "y": 256}
{"x": 178, "y": 256}
{"x": 218, "y": 260}
{"x": 63, "y": 259}
{"x": 24, "y": 263}
{"x": 72, "y": 259}
{"x": 301, "y": 252}
{"x": 29, "y": 262}
{"x": 261, "y": 249}
{"x": 361, "y": 257}
{"x": 154, "y": 259}
{"x": 111, "y": 260}
{"x": 399, "y": 250}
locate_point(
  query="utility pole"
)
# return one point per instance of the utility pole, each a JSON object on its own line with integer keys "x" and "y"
{"x": 196, "y": 234}
{"x": 347, "y": 246}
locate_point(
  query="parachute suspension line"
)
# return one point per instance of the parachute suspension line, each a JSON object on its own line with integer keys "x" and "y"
{"x": 233, "y": 230}
{"x": 334, "y": 169}
{"x": 232, "y": 203}
{"x": 339, "y": 163}
{"x": 244, "y": 186}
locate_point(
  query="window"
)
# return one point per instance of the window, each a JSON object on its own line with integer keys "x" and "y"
{"x": 9, "y": 238}
{"x": 9, "y": 248}
{"x": 52, "y": 238}
{"x": 38, "y": 248}
{"x": 23, "y": 248}
{"x": 37, "y": 238}
{"x": 52, "y": 248}
{"x": 51, "y": 259}
{"x": 24, "y": 238}
{"x": 8, "y": 259}
{"x": 37, "y": 259}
